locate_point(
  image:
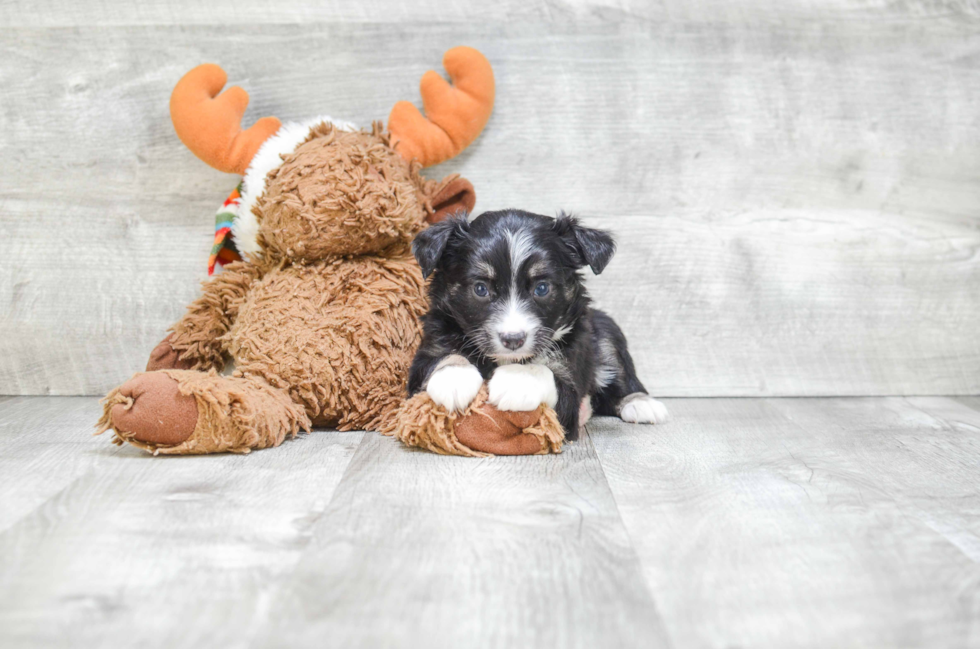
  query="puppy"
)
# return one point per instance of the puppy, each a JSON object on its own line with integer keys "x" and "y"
{"x": 508, "y": 304}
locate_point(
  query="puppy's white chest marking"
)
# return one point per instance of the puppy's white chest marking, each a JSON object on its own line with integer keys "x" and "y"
{"x": 454, "y": 383}
{"x": 522, "y": 387}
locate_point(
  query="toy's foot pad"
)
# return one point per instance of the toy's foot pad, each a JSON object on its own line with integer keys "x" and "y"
{"x": 150, "y": 408}
{"x": 502, "y": 433}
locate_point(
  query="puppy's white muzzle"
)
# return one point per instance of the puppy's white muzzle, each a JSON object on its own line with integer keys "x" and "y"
{"x": 513, "y": 331}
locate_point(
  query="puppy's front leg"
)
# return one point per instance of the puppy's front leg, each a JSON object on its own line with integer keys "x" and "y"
{"x": 454, "y": 382}
{"x": 522, "y": 387}
{"x": 569, "y": 410}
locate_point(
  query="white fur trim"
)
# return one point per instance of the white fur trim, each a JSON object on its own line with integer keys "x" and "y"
{"x": 269, "y": 157}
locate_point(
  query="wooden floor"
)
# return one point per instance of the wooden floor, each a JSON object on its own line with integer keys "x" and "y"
{"x": 742, "y": 523}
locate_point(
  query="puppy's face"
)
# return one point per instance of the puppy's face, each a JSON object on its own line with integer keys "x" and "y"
{"x": 510, "y": 279}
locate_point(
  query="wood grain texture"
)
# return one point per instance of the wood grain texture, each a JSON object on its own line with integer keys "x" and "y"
{"x": 805, "y": 522}
{"x": 420, "y": 550}
{"x": 742, "y": 522}
{"x": 58, "y": 13}
{"x": 108, "y": 546}
{"x": 798, "y": 195}
{"x": 33, "y": 466}
{"x": 821, "y": 312}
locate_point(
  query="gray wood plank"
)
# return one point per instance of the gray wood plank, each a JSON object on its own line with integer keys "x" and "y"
{"x": 780, "y": 522}
{"x": 801, "y": 303}
{"x": 420, "y": 550}
{"x": 804, "y": 522}
{"x": 46, "y": 445}
{"x": 54, "y": 13}
{"x": 795, "y": 199}
{"x": 107, "y": 546}
{"x": 60, "y": 13}
{"x": 971, "y": 402}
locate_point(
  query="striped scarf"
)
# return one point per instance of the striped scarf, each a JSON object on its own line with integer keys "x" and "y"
{"x": 224, "y": 250}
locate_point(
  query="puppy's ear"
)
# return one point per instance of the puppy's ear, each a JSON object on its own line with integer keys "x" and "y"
{"x": 588, "y": 246}
{"x": 430, "y": 244}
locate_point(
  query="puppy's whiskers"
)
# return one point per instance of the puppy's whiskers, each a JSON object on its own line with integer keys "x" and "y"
{"x": 476, "y": 345}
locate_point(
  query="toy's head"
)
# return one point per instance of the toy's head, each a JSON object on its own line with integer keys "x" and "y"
{"x": 322, "y": 188}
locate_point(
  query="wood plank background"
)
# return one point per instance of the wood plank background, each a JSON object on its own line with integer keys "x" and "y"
{"x": 794, "y": 184}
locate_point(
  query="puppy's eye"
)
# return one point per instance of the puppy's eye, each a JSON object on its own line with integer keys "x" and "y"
{"x": 481, "y": 290}
{"x": 541, "y": 289}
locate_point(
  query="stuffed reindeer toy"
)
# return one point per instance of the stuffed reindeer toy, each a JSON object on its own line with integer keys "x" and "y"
{"x": 319, "y": 301}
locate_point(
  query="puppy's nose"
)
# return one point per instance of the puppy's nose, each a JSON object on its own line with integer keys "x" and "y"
{"x": 513, "y": 340}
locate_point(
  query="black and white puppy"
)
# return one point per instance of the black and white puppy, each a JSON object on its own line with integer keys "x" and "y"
{"x": 508, "y": 304}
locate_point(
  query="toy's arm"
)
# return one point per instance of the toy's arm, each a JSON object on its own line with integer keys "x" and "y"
{"x": 196, "y": 340}
{"x": 480, "y": 430}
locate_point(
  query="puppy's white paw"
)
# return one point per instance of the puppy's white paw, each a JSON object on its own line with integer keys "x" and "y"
{"x": 454, "y": 386}
{"x": 641, "y": 408}
{"x": 517, "y": 388}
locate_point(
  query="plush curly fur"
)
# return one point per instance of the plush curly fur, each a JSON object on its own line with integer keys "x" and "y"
{"x": 337, "y": 334}
{"x": 342, "y": 193}
{"x": 326, "y": 315}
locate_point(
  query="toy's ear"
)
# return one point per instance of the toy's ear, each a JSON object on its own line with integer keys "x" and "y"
{"x": 588, "y": 246}
{"x": 453, "y": 196}
{"x": 430, "y": 244}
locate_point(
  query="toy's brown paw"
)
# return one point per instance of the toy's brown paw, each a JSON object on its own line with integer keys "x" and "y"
{"x": 502, "y": 433}
{"x": 155, "y": 411}
{"x": 165, "y": 357}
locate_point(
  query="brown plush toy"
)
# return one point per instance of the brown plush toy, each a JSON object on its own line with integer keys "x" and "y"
{"x": 321, "y": 317}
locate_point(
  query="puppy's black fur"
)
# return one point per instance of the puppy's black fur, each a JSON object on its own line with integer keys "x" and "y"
{"x": 513, "y": 269}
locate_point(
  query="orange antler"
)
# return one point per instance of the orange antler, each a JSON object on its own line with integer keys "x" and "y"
{"x": 456, "y": 113}
{"x": 210, "y": 125}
